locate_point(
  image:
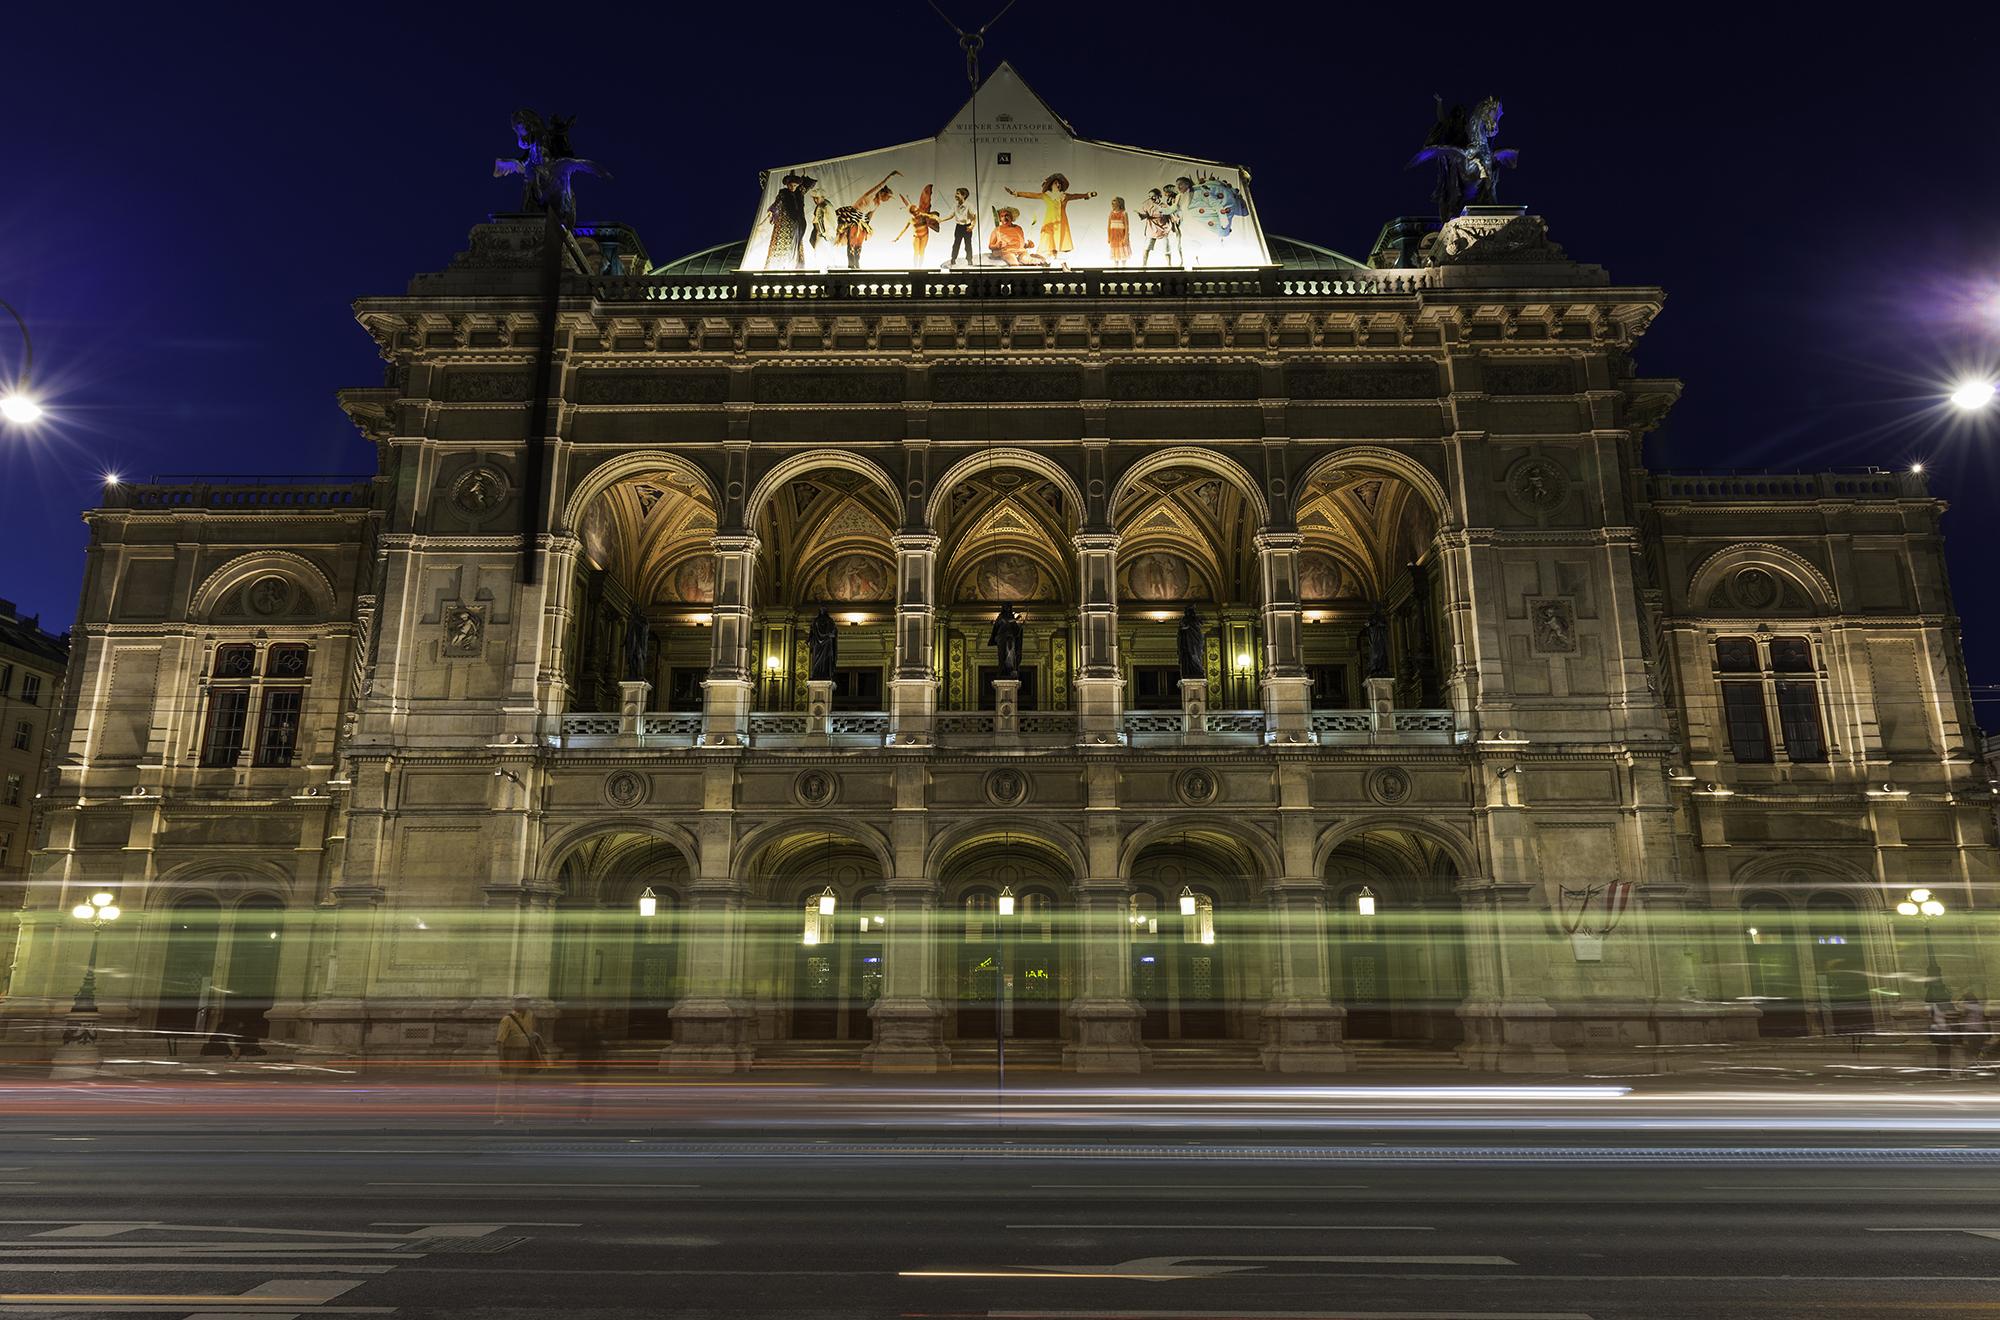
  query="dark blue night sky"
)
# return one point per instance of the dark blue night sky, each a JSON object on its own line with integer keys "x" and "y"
{"x": 192, "y": 203}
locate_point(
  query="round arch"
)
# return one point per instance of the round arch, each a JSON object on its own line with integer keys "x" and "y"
{"x": 1261, "y": 849}
{"x": 1775, "y": 558}
{"x": 1456, "y": 846}
{"x": 285, "y": 563}
{"x": 614, "y": 470}
{"x": 1383, "y": 462}
{"x": 985, "y": 461}
{"x": 1799, "y": 880}
{"x": 965, "y": 837}
{"x": 1219, "y": 464}
{"x": 814, "y": 460}
{"x": 557, "y": 847}
{"x": 751, "y": 845}
{"x": 248, "y": 880}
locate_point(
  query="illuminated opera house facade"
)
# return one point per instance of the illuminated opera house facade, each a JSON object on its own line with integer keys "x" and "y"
{"x": 1499, "y": 746}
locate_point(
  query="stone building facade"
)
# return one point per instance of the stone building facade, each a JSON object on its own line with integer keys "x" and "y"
{"x": 31, "y": 668}
{"x": 529, "y": 710}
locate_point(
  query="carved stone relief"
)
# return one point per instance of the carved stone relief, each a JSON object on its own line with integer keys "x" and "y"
{"x": 1554, "y": 626}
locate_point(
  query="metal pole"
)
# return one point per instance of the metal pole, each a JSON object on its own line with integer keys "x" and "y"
{"x": 86, "y": 994}
{"x": 1000, "y": 1025}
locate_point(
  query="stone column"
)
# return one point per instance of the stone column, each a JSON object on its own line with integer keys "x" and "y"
{"x": 1194, "y": 708}
{"x": 1302, "y": 1026}
{"x": 909, "y": 1018}
{"x": 1105, "y": 1017}
{"x": 711, "y": 1021}
{"x": 1100, "y": 683}
{"x": 732, "y": 680}
{"x": 913, "y": 688}
{"x": 1287, "y": 690}
{"x": 819, "y": 708}
{"x": 1381, "y": 705}
{"x": 1506, "y": 1029}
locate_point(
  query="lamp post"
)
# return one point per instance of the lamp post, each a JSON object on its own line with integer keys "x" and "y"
{"x": 1927, "y": 907}
{"x": 101, "y": 908}
{"x": 17, "y": 402}
{"x": 77, "y": 1058}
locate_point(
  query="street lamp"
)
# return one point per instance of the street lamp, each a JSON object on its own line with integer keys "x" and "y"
{"x": 1973, "y": 395}
{"x": 1364, "y": 902}
{"x": 102, "y": 907}
{"x": 828, "y": 901}
{"x": 1187, "y": 901}
{"x": 649, "y": 902}
{"x": 1926, "y": 906}
{"x": 1004, "y": 907}
{"x": 17, "y": 402}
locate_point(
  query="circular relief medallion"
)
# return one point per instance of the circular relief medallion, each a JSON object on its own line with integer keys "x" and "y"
{"x": 271, "y": 595}
{"x": 1754, "y": 588}
{"x": 479, "y": 492}
{"x": 625, "y": 789}
{"x": 1006, "y": 788}
{"x": 814, "y": 788}
{"x": 1538, "y": 484}
{"x": 1388, "y": 785}
{"x": 1197, "y": 787}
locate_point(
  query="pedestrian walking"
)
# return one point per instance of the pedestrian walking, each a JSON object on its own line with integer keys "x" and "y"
{"x": 519, "y": 1046}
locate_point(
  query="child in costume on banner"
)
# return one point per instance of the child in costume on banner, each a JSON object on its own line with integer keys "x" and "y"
{"x": 962, "y": 221}
{"x": 922, "y": 219}
{"x": 1118, "y": 233}
{"x": 1055, "y": 198}
{"x": 1158, "y": 213}
{"x": 1009, "y": 243}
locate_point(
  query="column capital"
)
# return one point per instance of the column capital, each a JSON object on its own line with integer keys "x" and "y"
{"x": 911, "y": 542}
{"x": 1277, "y": 539}
{"x": 1086, "y": 541}
{"x": 728, "y": 543}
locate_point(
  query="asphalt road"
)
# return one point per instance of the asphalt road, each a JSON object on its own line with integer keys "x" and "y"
{"x": 153, "y": 1207}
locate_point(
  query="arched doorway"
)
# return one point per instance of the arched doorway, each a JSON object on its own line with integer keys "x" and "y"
{"x": 617, "y": 973}
{"x": 255, "y": 938}
{"x": 1195, "y": 956}
{"x": 1397, "y": 938}
{"x": 1367, "y": 545}
{"x": 646, "y": 564}
{"x": 1004, "y": 538}
{"x": 1839, "y": 964}
{"x": 818, "y": 953}
{"x": 194, "y": 927}
{"x": 1010, "y": 972}
{"x": 1771, "y": 956}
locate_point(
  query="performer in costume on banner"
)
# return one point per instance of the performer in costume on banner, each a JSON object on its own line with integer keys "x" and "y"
{"x": 962, "y": 221}
{"x": 822, "y": 221}
{"x": 1009, "y": 243}
{"x": 1159, "y": 226}
{"x": 788, "y": 224}
{"x": 922, "y": 219}
{"x": 1118, "y": 233}
{"x": 853, "y": 224}
{"x": 1055, "y": 198}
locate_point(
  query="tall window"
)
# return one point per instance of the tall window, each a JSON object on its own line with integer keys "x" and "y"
{"x": 24, "y": 733}
{"x": 1758, "y": 679}
{"x": 6, "y": 678}
{"x": 12, "y": 795}
{"x": 245, "y": 694}
{"x": 31, "y": 688}
{"x": 6, "y": 846}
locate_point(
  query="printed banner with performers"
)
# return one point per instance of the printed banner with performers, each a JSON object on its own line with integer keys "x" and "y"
{"x": 1006, "y": 184}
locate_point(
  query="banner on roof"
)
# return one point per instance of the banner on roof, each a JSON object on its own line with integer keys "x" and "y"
{"x": 1006, "y": 184}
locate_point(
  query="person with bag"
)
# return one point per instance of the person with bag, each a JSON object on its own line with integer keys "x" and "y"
{"x": 520, "y": 1048}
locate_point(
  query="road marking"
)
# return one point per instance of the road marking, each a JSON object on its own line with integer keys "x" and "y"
{"x": 638, "y": 1187}
{"x": 82, "y": 1265}
{"x": 1234, "y": 1314}
{"x": 1200, "y": 1187}
{"x": 105, "y": 1228}
{"x": 1261, "y": 1228}
{"x": 1162, "y": 1268}
{"x": 1991, "y": 1233}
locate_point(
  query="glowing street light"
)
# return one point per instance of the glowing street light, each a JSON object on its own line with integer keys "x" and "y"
{"x": 1187, "y": 901}
{"x": 17, "y": 401}
{"x": 1364, "y": 902}
{"x": 828, "y": 901}
{"x": 1926, "y": 906}
{"x": 101, "y": 908}
{"x": 649, "y": 902}
{"x": 1006, "y": 901}
{"x": 1973, "y": 395}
